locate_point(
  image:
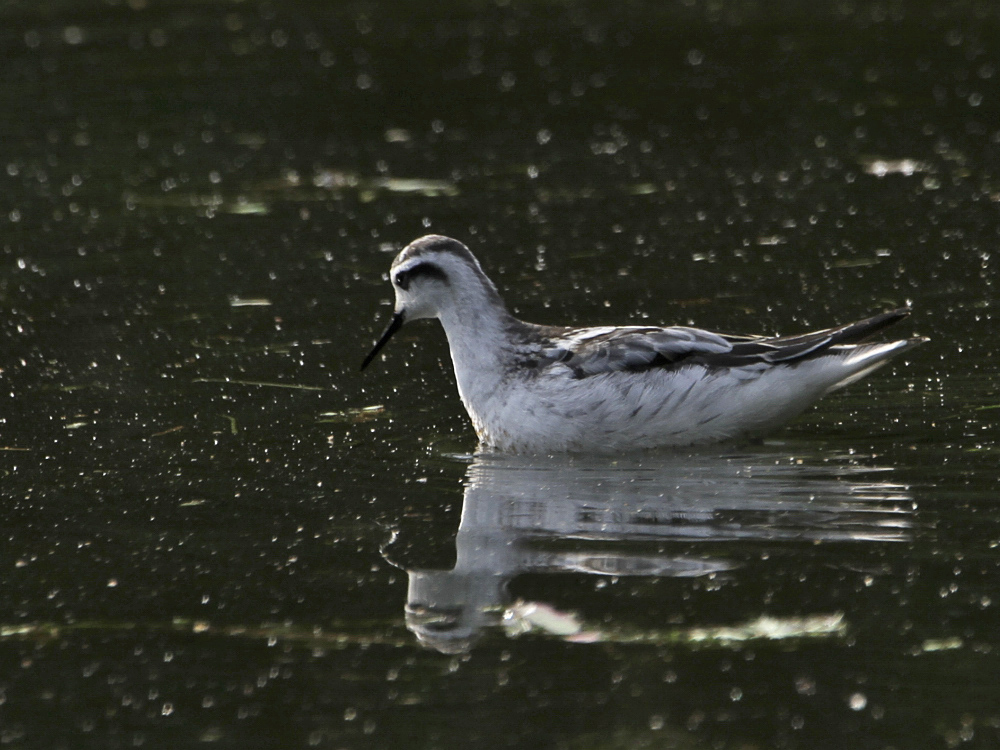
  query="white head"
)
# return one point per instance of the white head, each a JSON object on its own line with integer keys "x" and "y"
{"x": 437, "y": 277}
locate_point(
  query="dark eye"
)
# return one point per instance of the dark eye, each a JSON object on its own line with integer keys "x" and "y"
{"x": 403, "y": 278}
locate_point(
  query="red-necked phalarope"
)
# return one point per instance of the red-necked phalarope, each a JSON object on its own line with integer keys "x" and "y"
{"x": 533, "y": 388}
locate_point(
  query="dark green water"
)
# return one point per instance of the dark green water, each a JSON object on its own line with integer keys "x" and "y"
{"x": 216, "y": 532}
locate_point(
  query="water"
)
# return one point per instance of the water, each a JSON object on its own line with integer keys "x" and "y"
{"x": 217, "y": 532}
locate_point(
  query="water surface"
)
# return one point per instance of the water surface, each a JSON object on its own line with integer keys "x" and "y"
{"x": 217, "y": 532}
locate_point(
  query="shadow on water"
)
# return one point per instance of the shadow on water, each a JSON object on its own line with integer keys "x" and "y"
{"x": 654, "y": 517}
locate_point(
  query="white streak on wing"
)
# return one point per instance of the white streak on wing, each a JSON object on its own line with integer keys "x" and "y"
{"x": 586, "y": 334}
{"x": 866, "y": 358}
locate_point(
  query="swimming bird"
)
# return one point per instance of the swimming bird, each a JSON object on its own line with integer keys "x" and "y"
{"x": 537, "y": 389}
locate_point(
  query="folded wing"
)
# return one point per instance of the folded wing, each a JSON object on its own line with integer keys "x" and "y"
{"x": 593, "y": 351}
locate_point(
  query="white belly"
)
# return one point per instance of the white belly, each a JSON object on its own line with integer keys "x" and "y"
{"x": 650, "y": 409}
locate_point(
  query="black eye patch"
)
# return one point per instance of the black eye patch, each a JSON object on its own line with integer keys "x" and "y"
{"x": 403, "y": 278}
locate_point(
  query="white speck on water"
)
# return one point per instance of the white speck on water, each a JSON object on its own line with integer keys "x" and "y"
{"x": 73, "y": 35}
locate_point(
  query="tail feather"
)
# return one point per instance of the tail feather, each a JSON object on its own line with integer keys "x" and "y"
{"x": 851, "y": 333}
{"x": 863, "y": 359}
{"x": 790, "y": 349}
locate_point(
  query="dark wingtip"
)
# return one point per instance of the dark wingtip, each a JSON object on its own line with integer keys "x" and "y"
{"x": 891, "y": 316}
{"x": 864, "y": 328}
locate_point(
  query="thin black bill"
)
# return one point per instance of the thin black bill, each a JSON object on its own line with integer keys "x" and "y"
{"x": 394, "y": 325}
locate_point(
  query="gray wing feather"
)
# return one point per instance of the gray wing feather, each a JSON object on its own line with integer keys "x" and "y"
{"x": 594, "y": 351}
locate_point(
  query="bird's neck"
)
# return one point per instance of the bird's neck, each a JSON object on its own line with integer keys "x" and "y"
{"x": 479, "y": 336}
{"x": 477, "y": 332}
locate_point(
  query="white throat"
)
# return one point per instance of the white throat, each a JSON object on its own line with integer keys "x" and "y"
{"x": 478, "y": 332}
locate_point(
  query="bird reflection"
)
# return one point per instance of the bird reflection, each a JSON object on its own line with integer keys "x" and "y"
{"x": 655, "y": 515}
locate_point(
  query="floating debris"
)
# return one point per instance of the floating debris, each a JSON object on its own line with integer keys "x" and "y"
{"x": 353, "y": 416}
{"x": 258, "y": 198}
{"x": 244, "y": 206}
{"x": 167, "y": 432}
{"x": 525, "y": 617}
{"x": 691, "y": 302}
{"x": 880, "y": 167}
{"x": 330, "y": 179}
{"x": 854, "y": 263}
{"x": 941, "y": 644}
{"x": 205, "y": 204}
{"x": 11, "y": 631}
{"x": 429, "y": 188}
{"x": 250, "y": 140}
{"x": 770, "y": 240}
{"x": 262, "y": 383}
{"x": 397, "y": 135}
{"x": 773, "y": 629}
{"x": 313, "y": 636}
{"x": 643, "y": 188}
{"x": 249, "y": 302}
{"x": 212, "y": 734}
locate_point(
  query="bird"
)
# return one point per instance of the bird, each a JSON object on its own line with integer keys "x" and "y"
{"x": 552, "y": 389}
